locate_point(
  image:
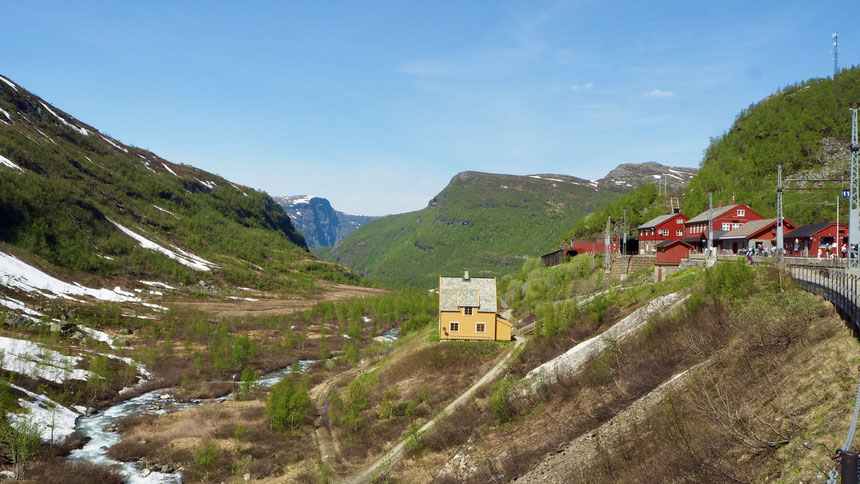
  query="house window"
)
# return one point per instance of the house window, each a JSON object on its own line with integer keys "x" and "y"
{"x": 664, "y": 231}
{"x": 454, "y": 327}
{"x": 735, "y": 225}
{"x": 467, "y": 311}
{"x": 741, "y": 212}
{"x": 678, "y": 221}
{"x": 679, "y": 233}
{"x": 726, "y": 227}
{"x": 481, "y": 327}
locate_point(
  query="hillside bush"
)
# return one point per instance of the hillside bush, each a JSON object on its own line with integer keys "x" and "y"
{"x": 288, "y": 404}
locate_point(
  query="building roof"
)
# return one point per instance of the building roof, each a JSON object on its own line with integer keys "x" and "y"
{"x": 749, "y": 229}
{"x": 656, "y": 221}
{"x": 670, "y": 242}
{"x": 703, "y": 217}
{"x": 808, "y": 230}
{"x": 476, "y": 292}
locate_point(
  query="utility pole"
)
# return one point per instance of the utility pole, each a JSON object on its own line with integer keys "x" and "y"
{"x": 606, "y": 257}
{"x": 853, "y": 198}
{"x": 624, "y": 248}
{"x": 779, "y": 234}
{"x": 710, "y": 222}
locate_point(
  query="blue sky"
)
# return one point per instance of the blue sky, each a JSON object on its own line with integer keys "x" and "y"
{"x": 376, "y": 105}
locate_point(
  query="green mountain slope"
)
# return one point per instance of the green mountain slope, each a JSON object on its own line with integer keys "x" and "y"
{"x": 485, "y": 223}
{"x": 804, "y": 127}
{"x": 66, "y": 188}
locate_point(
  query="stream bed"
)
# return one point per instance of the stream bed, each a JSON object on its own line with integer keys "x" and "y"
{"x": 99, "y": 426}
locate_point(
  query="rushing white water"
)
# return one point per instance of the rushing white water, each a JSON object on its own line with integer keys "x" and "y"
{"x": 95, "y": 426}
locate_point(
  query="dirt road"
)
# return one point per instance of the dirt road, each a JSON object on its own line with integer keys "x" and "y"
{"x": 391, "y": 457}
{"x": 276, "y": 304}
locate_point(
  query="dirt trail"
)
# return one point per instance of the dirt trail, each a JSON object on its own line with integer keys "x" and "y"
{"x": 395, "y": 453}
{"x": 278, "y": 304}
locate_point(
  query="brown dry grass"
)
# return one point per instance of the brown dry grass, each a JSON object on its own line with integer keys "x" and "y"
{"x": 254, "y": 448}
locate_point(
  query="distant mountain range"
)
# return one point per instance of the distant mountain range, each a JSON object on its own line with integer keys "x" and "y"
{"x": 486, "y": 223}
{"x": 321, "y": 225}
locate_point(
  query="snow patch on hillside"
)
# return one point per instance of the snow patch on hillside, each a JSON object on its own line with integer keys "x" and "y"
{"x": 209, "y": 184}
{"x": 110, "y": 142}
{"x": 18, "y": 275}
{"x": 7, "y": 81}
{"x": 240, "y": 190}
{"x": 168, "y": 169}
{"x": 46, "y": 413}
{"x": 79, "y": 130}
{"x": 179, "y": 255}
{"x": 7, "y": 162}
{"x": 28, "y": 358}
{"x": 6, "y": 114}
{"x": 157, "y": 284}
{"x": 163, "y": 210}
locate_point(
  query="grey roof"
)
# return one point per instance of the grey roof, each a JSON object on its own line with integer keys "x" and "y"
{"x": 476, "y": 292}
{"x": 748, "y": 229}
{"x": 809, "y": 229}
{"x": 656, "y": 221}
{"x": 703, "y": 217}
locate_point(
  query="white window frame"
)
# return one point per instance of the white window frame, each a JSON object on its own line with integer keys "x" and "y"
{"x": 726, "y": 227}
{"x": 735, "y": 225}
{"x": 679, "y": 233}
{"x": 664, "y": 232}
{"x": 478, "y": 327}
{"x": 742, "y": 212}
{"x": 678, "y": 221}
{"x": 451, "y": 326}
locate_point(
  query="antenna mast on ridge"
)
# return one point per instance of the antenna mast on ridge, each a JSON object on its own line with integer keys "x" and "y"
{"x": 835, "y": 54}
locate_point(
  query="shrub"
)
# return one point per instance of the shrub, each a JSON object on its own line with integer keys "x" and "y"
{"x": 19, "y": 442}
{"x": 246, "y": 384}
{"x": 205, "y": 455}
{"x": 500, "y": 405}
{"x": 288, "y": 404}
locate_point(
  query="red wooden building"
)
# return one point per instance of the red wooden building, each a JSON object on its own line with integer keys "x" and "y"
{"x": 805, "y": 240}
{"x": 725, "y": 219}
{"x": 664, "y": 227}
{"x": 756, "y": 233}
{"x": 670, "y": 252}
{"x": 591, "y": 245}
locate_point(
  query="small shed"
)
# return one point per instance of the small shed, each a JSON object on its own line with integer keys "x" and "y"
{"x": 670, "y": 252}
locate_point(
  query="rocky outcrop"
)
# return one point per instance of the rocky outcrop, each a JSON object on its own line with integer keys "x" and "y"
{"x": 322, "y": 225}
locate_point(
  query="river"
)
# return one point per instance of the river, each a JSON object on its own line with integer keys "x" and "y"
{"x": 96, "y": 426}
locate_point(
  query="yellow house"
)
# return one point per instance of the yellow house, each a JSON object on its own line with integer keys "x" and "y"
{"x": 467, "y": 309}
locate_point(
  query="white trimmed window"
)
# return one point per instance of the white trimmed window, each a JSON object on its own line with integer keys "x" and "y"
{"x": 481, "y": 327}
{"x": 679, "y": 233}
{"x": 736, "y": 225}
{"x": 664, "y": 231}
{"x": 467, "y": 311}
{"x": 726, "y": 227}
{"x": 741, "y": 212}
{"x": 454, "y": 326}
{"x": 678, "y": 221}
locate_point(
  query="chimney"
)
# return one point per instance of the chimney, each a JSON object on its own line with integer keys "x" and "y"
{"x": 466, "y": 276}
{"x": 676, "y": 210}
{"x": 733, "y": 199}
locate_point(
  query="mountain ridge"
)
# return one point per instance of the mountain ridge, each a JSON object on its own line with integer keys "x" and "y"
{"x": 487, "y": 223}
{"x": 318, "y": 221}
{"x": 120, "y": 202}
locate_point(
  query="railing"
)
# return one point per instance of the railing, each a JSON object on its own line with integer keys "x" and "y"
{"x": 835, "y": 285}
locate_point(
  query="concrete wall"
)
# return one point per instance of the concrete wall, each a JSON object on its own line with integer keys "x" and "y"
{"x": 631, "y": 263}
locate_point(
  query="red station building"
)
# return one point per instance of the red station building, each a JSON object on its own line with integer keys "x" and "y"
{"x": 726, "y": 219}
{"x": 658, "y": 229}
